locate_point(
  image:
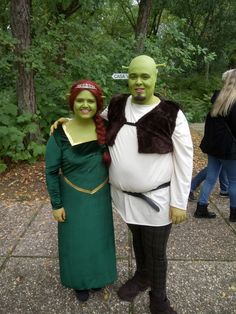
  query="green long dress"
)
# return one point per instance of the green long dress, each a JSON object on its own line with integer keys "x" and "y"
{"x": 86, "y": 239}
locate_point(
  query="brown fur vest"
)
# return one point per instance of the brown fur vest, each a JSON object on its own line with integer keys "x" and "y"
{"x": 154, "y": 129}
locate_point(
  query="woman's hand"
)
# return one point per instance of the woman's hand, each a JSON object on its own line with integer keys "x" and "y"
{"x": 56, "y": 123}
{"x": 59, "y": 214}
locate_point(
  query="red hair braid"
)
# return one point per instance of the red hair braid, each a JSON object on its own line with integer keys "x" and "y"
{"x": 101, "y": 135}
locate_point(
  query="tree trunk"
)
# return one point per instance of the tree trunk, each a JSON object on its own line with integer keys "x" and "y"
{"x": 142, "y": 23}
{"x": 156, "y": 23}
{"x": 21, "y": 30}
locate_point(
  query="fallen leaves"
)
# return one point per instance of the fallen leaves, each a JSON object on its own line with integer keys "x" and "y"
{"x": 23, "y": 182}
{"x": 199, "y": 159}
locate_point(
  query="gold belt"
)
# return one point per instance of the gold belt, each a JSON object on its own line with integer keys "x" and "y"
{"x": 86, "y": 190}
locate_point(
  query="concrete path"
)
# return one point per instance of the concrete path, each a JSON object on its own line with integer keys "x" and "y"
{"x": 201, "y": 274}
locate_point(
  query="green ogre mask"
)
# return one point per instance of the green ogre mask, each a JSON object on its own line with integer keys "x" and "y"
{"x": 142, "y": 78}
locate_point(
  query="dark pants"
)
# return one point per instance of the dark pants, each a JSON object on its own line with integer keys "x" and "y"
{"x": 150, "y": 253}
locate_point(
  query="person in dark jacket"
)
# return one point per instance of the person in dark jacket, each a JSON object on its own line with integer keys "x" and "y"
{"x": 201, "y": 175}
{"x": 219, "y": 143}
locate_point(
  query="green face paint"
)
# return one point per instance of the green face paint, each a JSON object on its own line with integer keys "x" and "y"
{"x": 85, "y": 105}
{"x": 142, "y": 78}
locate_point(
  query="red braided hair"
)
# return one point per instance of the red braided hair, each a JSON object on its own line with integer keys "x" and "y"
{"x": 96, "y": 90}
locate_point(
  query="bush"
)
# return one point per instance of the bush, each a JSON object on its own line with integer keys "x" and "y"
{"x": 193, "y": 93}
{"x": 20, "y": 137}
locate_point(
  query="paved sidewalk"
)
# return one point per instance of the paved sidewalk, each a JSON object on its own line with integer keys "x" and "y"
{"x": 201, "y": 274}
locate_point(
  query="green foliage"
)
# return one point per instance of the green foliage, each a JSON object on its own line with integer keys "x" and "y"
{"x": 72, "y": 40}
{"x": 17, "y": 142}
{"x": 6, "y": 58}
{"x": 193, "y": 93}
{"x": 36, "y": 150}
{"x": 194, "y": 108}
{"x": 3, "y": 166}
{"x": 209, "y": 23}
{"x": 180, "y": 52}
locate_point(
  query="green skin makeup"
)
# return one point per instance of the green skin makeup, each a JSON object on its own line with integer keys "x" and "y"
{"x": 85, "y": 106}
{"x": 82, "y": 127}
{"x": 142, "y": 78}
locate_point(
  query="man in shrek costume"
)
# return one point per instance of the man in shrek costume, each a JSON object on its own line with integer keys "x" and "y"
{"x": 77, "y": 180}
{"x": 150, "y": 175}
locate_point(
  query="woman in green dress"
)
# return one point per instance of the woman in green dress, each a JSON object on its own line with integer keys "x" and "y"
{"x": 77, "y": 162}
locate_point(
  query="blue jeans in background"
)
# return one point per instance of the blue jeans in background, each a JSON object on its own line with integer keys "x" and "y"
{"x": 213, "y": 170}
{"x": 201, "y": 176}
{"x": 224, "y": 182}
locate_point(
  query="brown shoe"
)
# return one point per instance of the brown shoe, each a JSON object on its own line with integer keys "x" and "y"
{"x": 133, "y": 287}
{"x": 160, "y": 306}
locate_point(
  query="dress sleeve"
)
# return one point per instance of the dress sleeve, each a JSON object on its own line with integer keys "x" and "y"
{"x": 53, "y": 164}
{"x": 182, "y": 162}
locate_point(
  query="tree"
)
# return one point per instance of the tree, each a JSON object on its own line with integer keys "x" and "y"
{"x": 209, "y": 23}
{"x": 138, "y": 15}
{"x": 142, "y": 23}
{"x": 21, "y": 30}
{"x": 157, "y": 11}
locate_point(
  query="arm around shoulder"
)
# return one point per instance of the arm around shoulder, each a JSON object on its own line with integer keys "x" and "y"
{"x": 56, "y": 123}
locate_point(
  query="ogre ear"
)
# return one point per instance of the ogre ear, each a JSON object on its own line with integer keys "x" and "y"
{"x": 160, "y": 65}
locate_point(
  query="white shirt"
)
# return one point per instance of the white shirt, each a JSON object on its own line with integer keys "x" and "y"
{"x": 138, "y": 172}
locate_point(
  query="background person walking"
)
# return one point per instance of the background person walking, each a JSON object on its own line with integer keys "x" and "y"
{"x": 219, "y": 143}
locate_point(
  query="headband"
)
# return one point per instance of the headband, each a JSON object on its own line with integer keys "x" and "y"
{"x": 85, "y": 85}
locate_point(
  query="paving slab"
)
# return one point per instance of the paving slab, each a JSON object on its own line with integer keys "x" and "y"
{"x": 32, "y": 285}
{"x": 112, "y": 303}
{"x": 15, "y": 219}
{"x": 202, "y": 287}
{"x": 40, "y": 239}
{"x": 201, "y": 273}
{"x": 197, "y": 287}
{"x": 222, "y": 205}
{"x": 2, "y": 260}
{"x": 202, "y": 239}
{"x": 121, "y": 235}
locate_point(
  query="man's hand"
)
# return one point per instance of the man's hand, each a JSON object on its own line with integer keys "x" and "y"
{"x": 177, "y": 215}
{"x": 59, "y": 214}
{"x": 56, "y": 123}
